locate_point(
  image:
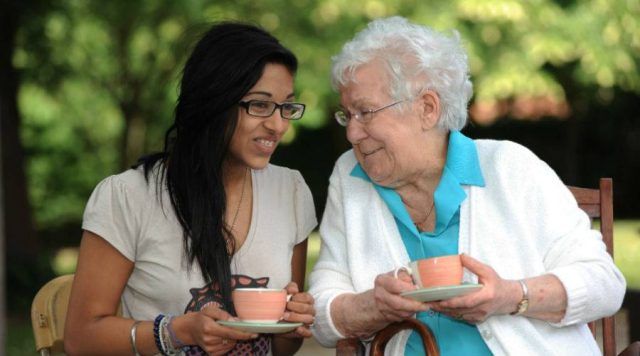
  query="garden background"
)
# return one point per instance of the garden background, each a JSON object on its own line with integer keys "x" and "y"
{"x": 88, "y": 86}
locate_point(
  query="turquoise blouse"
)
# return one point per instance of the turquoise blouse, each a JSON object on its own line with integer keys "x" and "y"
{"x": 454, "y": 337}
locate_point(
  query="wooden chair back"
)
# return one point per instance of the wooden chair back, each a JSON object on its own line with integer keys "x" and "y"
{"x": 598, "y": 204}
{"x": 48, "y": 314}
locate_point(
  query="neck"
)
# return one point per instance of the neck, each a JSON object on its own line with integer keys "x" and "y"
{"x": 417, "y": 193}
{"x": 233, "y": 174}
{"x": 429, "y": 169}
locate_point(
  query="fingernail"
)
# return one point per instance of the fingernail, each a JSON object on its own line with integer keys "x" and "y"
{"x": 286, "y": 315}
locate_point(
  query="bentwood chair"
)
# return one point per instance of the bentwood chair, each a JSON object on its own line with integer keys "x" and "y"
{"x": 598, "y": 204}
{"x": 48, "y": 314}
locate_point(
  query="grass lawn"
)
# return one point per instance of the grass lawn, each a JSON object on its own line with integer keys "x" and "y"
{"x": 626, "y": 250}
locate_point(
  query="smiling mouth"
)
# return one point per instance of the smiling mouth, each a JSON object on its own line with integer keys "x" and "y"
{"x": 365, "y": 154}
{"x": 266, "y": 143}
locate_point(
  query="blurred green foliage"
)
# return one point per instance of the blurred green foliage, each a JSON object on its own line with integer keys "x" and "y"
{"x": 100, "y": 78}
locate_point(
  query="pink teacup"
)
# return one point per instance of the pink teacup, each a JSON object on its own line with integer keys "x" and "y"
{"x": 259, "y": 305}
{"x": 438, "y": 271}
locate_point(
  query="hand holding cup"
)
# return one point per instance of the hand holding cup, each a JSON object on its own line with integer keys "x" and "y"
{"x": 441, "y": 271}
{"x": 299, "y": 310}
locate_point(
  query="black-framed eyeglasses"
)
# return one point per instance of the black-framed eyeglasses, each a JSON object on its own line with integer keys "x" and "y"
{"x": 343, "y": 116}
{"x": 265, "y": 108}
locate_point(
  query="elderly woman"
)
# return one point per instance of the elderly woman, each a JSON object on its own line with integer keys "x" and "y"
{"x": 414, "y": 187}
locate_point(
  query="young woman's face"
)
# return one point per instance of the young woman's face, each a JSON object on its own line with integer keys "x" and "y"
{"x": 256, "y": 138}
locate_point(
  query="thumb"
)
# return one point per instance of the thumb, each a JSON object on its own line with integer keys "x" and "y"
{"x": 475, "y": 266}
{"x": 292, "y": 288}
{"x": 215, "y": 313}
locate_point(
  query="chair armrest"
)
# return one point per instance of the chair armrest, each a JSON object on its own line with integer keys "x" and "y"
{"x": 382, "y": 338}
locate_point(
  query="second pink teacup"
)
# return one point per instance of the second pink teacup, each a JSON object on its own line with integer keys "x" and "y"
{"x": 438, "y": 271}
{"x": 259, "y": 305}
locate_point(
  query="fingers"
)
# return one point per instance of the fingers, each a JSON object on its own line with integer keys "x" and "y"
{"x": 292, "y": 288}
{"x": 301, "y": 331}
{"x": 223, "y": 346}
{"x": 211, "y": 328}
{"x": 393, "y": 306}
{"x": 468, "y": 301}
{"x": 234, "y": 334}
{"x": 402, "y": 275}
{"x": 480, "y": 269}
{"x": 215, "y": 313}
{"x": 300, "y": 309}
{"x": 395, "y": 285}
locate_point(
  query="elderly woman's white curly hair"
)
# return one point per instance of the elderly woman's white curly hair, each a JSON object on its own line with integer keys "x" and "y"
{"x": 417, "y": 58}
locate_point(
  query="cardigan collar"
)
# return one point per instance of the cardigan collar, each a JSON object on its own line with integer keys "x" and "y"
{"x": 462, "y": 167}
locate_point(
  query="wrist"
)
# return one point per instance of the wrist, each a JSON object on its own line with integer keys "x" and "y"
{"x": 522, "y": 303}
{"x": 180, "y": 325}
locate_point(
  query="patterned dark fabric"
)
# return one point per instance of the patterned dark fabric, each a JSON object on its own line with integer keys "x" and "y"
{"x": 210, "y": 295}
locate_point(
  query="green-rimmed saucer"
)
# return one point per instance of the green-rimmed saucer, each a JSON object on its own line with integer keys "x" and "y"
{"x": 263, "y": 328}
{"x": 440, "y": 293}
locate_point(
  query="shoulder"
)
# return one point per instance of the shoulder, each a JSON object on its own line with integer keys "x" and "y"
{"x": 499, "y": 157}
{"x": 131, "y": 184}
{"x": 345, "y": 163}
{"x": 347, "y": 159}
{"x": 275, "y": 174}
{"x": 512, "y": 169}
{"x": 503, "y": 150}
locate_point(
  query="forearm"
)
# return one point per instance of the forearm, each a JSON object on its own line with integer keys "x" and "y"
{"x": 110, "y": 335}
{"x": 356, "y": 315}
{"x": 285, "y": 346}
{"x": 547, "y": 298}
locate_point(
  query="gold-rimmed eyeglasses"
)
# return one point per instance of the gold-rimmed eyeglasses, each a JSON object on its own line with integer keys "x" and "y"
{"x": 344, "y": 116}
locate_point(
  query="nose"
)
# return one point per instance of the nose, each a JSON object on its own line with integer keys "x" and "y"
{"x": 276, "y": 123}
{"x": 355, "y": 132}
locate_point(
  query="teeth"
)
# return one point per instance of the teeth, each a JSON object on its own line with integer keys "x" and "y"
{"x": 266, "y": 142}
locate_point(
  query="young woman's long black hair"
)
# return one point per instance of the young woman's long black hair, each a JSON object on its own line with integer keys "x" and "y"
{"x": 225, "y": 64}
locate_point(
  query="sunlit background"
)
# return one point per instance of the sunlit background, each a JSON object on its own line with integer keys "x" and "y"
{"x": 94, "y": 83}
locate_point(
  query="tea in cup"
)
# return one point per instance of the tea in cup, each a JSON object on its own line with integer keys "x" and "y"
{"x": 259, "y": 305}
{"x": 438, "y": 271}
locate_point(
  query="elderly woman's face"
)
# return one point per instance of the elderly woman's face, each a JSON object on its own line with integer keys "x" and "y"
{"x": 390, "y": 145}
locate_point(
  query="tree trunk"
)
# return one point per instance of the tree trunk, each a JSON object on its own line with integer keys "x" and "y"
{"x": 21, "y": 241}
{"x": 133, "y": 136}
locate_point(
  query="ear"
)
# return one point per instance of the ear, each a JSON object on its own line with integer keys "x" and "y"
{"x": 430, "y": 109}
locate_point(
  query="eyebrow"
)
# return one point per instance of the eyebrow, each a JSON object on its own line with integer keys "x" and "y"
{"x": 267, "y": 94}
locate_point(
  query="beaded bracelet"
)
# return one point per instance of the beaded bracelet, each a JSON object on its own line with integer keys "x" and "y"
{"x": 165, "y": 339}
{"x": 172, "y": 335}
{"x": 156, "y": 333}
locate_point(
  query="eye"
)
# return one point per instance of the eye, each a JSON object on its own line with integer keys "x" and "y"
{"x": 260, "y": 105}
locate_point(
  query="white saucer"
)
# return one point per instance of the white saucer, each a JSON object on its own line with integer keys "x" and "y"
{"x": 440, "y": 293}
{"x": 264, "y": 328}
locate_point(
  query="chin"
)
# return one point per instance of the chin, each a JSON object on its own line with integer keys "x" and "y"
{"x": 258, "y": 164}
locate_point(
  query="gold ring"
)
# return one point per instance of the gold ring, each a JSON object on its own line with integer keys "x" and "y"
{"x": 459, "y": 317}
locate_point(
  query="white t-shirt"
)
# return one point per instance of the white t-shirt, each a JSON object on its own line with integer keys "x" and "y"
{"x": 125, "y": 211}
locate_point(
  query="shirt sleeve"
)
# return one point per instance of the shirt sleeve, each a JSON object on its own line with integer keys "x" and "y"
{"x": 330, "y": 276}
{"x": 574, "y": 253}
{"x": 112, "y": 213}
{"x": 578, "y": 257}
{"x": 305, "y": 211}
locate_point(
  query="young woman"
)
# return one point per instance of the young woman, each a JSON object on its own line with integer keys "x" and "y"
{"x": 168, "y": 240}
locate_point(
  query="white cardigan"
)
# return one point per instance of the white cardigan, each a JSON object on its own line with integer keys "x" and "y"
{"x": 523, "y": 223}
